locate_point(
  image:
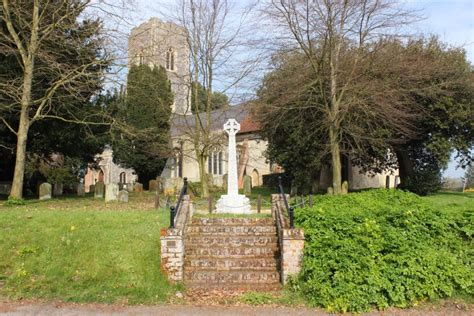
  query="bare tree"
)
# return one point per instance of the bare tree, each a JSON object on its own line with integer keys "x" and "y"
{"x": 213, "y": 37}
{"x": 38, "y": 33}
{"x": 325, "y": 31}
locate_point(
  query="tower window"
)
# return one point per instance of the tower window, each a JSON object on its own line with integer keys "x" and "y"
{"x": 170, "y": 59}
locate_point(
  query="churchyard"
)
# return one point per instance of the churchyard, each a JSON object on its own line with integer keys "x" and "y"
{"x": 82, "y": 249}
{"x": 165, "y": 156}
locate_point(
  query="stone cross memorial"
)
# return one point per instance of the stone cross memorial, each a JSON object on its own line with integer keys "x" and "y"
{"x": 233, "y": 202}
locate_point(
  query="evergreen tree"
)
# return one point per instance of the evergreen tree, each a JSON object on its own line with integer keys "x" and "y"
{"x": 219, "y": 100}
{"x": 142, "y": 139}
{"x": 52, "y": 63}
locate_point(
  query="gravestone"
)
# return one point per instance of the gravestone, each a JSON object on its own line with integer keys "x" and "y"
{"x": 123, "y": 196}
{"x": 247, "y": 185}
{"x": 91, "y": 188}
{"x": 345, "y": 187}
{"x": 330, "y": 190}
{"x": 232, "y": 202}
{"x": 80, "y": 189}
{"x": 45, "y": 191}
{"x": 152, "y": 185}
{"x": 159, "y": 185}
{"x": 111, "y": 192}
{"x": 99, "y": 190}
{"x": 138, "y": 187}
{"x": 58, "y": 189}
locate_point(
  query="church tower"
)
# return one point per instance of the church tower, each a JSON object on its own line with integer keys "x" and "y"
{"x": 156, "y": 43}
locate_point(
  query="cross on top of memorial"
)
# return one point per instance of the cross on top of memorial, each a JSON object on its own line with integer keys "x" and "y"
{"x": 231, "y": 127}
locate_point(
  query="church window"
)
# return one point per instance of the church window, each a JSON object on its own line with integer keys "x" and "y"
{"x": 220, "y": 162}
{"x": 123, "y": 177}
{"x": 214, "y": 163}
{"x": 177, "y": 166}
{"x": 170, "y": 59}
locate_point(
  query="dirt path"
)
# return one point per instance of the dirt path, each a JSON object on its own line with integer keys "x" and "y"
{"x": 68, "y": 309}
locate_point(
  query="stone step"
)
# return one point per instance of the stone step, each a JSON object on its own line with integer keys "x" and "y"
{"x": 263, "y": 287}
{"x": 231, "y": 229}
{"x": 253, "y": 263}
{"x": 235, "y": 252}
{"x": 232, "y": 221}
{"x": 229, "y": 241}
{"x": 233, "y": 276}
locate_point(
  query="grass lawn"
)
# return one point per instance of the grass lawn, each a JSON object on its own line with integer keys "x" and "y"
{"x": 452, "y": 201}
{"x": 83, "y": 250}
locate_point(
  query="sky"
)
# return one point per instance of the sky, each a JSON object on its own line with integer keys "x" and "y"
{"x": 451, "y": 20}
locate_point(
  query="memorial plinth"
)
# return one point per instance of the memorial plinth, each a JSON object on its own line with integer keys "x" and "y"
{"x": 232, "y": 202}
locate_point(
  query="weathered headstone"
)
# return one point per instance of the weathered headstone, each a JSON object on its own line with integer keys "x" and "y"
{"x": 45, "y": 191}
{"x": 58, "y": 189}
{"x": 80, "y": 189}
{"x": 330, "y": 190}
{"x": 99, "y": 190}
{"x": 159, "y": 184}
{"x": 138, "y": 187}
{"x": 123, "y": 196}
{"x": 152, "y": 185}
{"x": 111, "y": 192}
{"x": 91, "y": 188}
{"x": 345, "y": 187}
{"x": 247, "y": 185}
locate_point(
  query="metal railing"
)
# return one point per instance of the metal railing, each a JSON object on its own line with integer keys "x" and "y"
{"x": 290, "y": 210}
{"x": 174, "y": 209}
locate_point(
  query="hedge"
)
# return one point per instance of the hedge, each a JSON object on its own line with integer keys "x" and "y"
{"x": 382, "y": 248}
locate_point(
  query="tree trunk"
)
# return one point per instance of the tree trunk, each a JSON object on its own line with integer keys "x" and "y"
{"x": 335, "y": 160}
{"x": 203, "y": 176}
{"x": 405, "y": 167}
{"x": 22, "y": 134}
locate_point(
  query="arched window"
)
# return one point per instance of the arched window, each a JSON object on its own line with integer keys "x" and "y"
{"x": 255, "y": 178}
{"x": 170, "y": 59}
{"x": 123, "y": 178}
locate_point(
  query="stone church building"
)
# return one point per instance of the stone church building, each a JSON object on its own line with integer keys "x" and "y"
{"x": 163, "y": 43}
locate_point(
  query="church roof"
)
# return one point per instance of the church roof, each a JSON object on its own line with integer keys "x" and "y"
{"x": 183, "y": 124}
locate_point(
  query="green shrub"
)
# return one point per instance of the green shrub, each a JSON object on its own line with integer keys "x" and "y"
{"x": 14, "y": 202}
{"x": 383, "y": 248}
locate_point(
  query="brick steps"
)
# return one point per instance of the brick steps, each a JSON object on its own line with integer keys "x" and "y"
{"x": 233, "y": 253}
{"x": 216, "y": 230}
{"x": 230, "y": 241}
{"x": 266, "y": 287}
{"x": 253, "y": 263}
{"x": 218, "y": 252}
{"x": 234, "y": 276}
{"x": 232, "y": 221}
